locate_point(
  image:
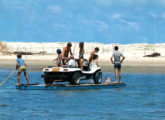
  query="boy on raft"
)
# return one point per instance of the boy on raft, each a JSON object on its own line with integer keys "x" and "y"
{"x": 21, "y": 66}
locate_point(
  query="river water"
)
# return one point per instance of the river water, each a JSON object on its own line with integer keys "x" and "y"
{"x": 142, "y": 99}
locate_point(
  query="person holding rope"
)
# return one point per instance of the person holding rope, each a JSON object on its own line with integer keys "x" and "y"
{"x": 21, "y": 66}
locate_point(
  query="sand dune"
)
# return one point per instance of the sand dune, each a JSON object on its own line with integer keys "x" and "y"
{"x": 135, "y": 62}
{"x": 131, "y": 51}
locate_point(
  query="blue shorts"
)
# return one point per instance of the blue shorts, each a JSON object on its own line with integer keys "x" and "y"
{"x": 117, "y": 66}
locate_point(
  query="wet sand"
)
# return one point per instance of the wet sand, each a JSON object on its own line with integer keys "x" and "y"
{"x": 127, "y": 66}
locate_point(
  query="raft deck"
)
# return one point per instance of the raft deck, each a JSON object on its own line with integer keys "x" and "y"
{"x": 69, "y": 87}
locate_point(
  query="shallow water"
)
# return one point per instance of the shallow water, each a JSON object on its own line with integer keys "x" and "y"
{"x": 142, "y": 99}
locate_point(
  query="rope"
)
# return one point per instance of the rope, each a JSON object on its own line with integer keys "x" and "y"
{"x": 7, "y": 78}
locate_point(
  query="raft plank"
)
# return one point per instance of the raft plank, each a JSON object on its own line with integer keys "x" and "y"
{"x": 69, "y": 87}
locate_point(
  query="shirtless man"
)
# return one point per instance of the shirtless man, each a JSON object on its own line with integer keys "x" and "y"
{"x": 117, "y": 63}
{"x": 66, "y": 51}
{"x": 96, "y": 50}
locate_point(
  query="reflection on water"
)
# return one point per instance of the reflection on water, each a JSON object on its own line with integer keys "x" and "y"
{"x": 142, "y": 98}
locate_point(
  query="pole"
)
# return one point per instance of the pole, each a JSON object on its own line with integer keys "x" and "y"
{"x": 7, "y": 78}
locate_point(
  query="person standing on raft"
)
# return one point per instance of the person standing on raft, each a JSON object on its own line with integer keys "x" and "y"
{"x": 65, "y": 53}
{"x": 117, "y": 63}
{"x": 21, "y": 66}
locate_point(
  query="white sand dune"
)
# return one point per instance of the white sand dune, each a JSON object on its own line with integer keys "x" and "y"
{"x": 133, "y": 52}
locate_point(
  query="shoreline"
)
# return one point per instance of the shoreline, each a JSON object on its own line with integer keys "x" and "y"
{"x": 127, "y": 66}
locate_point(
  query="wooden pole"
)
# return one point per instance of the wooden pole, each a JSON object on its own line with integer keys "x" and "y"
{"x": 7, "y": 78}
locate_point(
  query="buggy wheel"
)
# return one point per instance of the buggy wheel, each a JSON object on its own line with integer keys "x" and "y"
{"x": 98, "y": 77}
{"x": 48, "y": 81}
{"x": 75, "y": 80}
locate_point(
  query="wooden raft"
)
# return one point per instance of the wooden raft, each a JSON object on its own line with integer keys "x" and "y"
{"x": 69, "y": 87}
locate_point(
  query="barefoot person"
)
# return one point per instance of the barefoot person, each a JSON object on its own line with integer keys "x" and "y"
{"x": 21, "y": 66}
{"x": 96, "y": 50}
{"x": 66, "y": 51}
{"x": 81, "y": 54}
{"x": 117, "y": 63}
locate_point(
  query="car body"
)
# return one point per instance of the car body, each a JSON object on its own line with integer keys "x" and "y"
{"x": 72, "y": 75}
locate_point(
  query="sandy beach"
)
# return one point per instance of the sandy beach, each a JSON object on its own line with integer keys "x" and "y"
{"x": 127, "y": 67}
{"x": 134, "y": 63}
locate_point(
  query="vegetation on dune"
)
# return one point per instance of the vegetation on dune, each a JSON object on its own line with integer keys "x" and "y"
{"x": 3, "y": 48}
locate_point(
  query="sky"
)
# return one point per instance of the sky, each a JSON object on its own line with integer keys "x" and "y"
{"x": 105, "y": 21}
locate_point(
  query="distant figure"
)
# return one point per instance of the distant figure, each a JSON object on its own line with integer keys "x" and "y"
{"x": 117, "y": 63}
{"x": 107, "y": 80}
{"x": 94, "y": 62}
{"x": 21, "y": 66}
{"x": 96, "y": 50}
{"x": 66, "y": 51}
{"x": 81, "y": 54}
{"x": 59, "y": 58}
{"x": 155, "y": 54}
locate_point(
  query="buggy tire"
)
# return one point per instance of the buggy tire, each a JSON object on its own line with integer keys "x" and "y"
{"x": 98, "y": 77}
{"x": 48, "y": 81}
{"x": 75, "y": 80}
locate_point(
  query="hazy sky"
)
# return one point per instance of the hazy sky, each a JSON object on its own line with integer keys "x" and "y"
{"x": 106, "y": 21}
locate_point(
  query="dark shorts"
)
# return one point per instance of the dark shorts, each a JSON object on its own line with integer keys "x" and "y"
{"x": 117, "y": 66}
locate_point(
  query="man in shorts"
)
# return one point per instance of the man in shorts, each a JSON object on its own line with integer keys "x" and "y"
{"x": 65, "y": 53}
{"x": 115, "y": 59}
